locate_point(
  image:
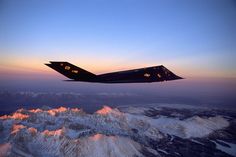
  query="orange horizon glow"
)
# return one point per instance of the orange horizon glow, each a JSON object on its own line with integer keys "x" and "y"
{"x": 45, "y": 72}
{"x": 27, "y": 67}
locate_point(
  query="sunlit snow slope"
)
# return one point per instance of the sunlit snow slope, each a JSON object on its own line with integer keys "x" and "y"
{"x": 109, "y": 132}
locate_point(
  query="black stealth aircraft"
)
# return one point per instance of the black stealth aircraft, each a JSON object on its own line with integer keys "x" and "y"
{"x": 148, "y": 74}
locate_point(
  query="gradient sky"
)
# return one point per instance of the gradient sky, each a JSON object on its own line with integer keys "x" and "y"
{"x": 191, "y": 38}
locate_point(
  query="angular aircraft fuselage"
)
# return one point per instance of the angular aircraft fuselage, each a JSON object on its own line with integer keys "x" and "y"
{"x": 149, "y": 74}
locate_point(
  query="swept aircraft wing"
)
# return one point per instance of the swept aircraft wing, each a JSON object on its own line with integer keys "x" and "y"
{"x": 148, "y": 74}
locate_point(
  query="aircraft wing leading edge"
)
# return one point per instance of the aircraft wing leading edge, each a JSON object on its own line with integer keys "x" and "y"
{"x": 149, "y": 74}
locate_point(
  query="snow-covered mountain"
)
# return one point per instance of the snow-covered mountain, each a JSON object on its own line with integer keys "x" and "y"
{"x": 113, "y": 132}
